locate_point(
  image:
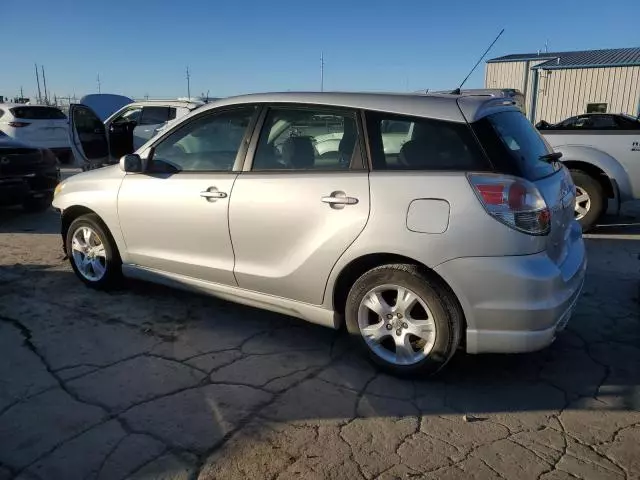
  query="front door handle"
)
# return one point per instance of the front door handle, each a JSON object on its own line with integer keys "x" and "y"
{"x": 212, "y": 194}
{"x": 339, "y": 199}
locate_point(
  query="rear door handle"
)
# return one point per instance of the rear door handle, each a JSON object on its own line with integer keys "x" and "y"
{"x": 339, "y": 199}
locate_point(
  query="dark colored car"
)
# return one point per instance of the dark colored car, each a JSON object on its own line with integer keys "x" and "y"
{"x": 28, "y": 175}
{"x": 594, "y": 121}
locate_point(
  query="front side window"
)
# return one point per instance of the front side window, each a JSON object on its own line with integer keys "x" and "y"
{"x": 154, "y": 115}
{"x": 129, "y": 115}
{"x": 414, "y": 143}
{"x": 627, "y": 122}
{"x": 306, "y": 139}
{"x": 208, "y": 143}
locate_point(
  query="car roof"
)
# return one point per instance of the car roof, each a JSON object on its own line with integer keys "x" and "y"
{"x": 431, "y": 105}
{"x": 166, "y": 103}
{"x": 14, "y": 105}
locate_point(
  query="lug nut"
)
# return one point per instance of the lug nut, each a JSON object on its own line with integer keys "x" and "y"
{"x": 399, "y": 315}
{"x": 399, "y": 332}
{"x": 405, "y": 325}
{"x": 389, "y": 326}
{"x": 389, "y": 316}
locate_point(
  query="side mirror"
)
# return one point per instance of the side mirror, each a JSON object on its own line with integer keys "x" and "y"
{"x": 131, "y": 163}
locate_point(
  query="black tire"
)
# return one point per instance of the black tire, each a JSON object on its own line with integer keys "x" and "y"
{"x": 446, "y": 312}
{"x": 112, "y": 277}
{"x": 37, "y": 204}
{"x": 593, "y": 188}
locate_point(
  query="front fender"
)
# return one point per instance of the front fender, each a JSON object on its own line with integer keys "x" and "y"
{"x": 605, "y": 162}
{"x": 96, "y": 190}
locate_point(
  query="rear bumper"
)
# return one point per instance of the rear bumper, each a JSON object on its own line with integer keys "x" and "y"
{"x": 516, "y": 304}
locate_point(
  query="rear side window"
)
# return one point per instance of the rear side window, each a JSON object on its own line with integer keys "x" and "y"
{"x": 155, "y": 115}
{"x": 412, "y": 143}
{"x": 513, "y": 145}
{"x": 38, "y": 113}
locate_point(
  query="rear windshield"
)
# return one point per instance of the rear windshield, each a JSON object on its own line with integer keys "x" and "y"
{"x": 513, "y": 145}
{"x": 38, "y": 113}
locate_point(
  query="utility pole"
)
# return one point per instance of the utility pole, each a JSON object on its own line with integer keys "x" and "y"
{"x": 38, "y": 80}
{"x": 44, "y": 82}
{"x": 188, "y": 84}
{"x": 322, "y": 71}
{"x": 98, "y": 82}
{"x": 21, "y": 92}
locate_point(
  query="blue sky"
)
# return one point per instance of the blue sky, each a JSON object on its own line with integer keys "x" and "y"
{"x": 142, "y": 47}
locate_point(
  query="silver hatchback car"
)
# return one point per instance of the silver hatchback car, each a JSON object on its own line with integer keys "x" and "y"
{"x": 462, "y": 235}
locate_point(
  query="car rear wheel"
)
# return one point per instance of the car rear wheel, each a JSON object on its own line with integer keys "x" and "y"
{"x": 590, "y": 200}
{"x": 404, "y": 321}
{"x": 93, "y": 254}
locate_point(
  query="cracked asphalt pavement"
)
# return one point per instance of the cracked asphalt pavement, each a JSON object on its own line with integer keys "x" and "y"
{"x": 149, "y": 382}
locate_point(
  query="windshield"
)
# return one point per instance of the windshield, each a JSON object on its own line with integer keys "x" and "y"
{"x": 514, "y": 146}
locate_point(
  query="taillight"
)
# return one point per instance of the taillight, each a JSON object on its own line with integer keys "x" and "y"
{"x": 18, "y": 124}
{"x": 513, "y": 201}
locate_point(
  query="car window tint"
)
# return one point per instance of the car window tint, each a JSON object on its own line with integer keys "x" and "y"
{"x": 306, "y": 139}
{"x": 154, "y": 115}
{"x": 513, "y": 145}
{"x": 603, "y": 122}
{"x": 568, "y": 123}
{"x": 627, "y": 122}
{"x": 208, "y": 143}
{"x": 412, "y": 143}
{"x": 129, "y": 115}
{"x": 38, "y": 113}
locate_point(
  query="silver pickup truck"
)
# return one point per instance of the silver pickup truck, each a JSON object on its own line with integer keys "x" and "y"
{"x": 603, "y": 153}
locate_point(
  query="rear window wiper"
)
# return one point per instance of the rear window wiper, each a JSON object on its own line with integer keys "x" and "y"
{"x": 551, "y": 157}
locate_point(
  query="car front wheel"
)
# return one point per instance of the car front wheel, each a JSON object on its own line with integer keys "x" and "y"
{"x": 92, "y": 252}
{"x": 407, "y": 323}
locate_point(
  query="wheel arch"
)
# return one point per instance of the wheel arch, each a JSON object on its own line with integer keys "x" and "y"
{"x": 358, "y": 266}
{"x": 608, "y": 171}
{"x": 71, "y": 213}
{"x": 595, "y": 172}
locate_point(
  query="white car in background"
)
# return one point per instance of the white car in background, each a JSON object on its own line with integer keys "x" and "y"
{"x": 38, "y": 126}
{"x": 126, "y": 130}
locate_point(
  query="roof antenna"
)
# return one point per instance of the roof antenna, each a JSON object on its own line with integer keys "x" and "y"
{"x": 457, "y": 90}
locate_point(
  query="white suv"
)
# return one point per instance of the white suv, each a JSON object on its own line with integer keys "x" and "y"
{"x": 38, "y": 126}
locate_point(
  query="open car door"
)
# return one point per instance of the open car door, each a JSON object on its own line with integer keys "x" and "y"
{"x": 87, "y": 137}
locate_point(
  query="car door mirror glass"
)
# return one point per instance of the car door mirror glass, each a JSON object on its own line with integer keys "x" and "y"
{"x": 131, "y": 163}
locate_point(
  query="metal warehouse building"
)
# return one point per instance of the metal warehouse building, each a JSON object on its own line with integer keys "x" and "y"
{"x": 558, "y": 85}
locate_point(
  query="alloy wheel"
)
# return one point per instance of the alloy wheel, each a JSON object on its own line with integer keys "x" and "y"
{"x": 89, "y": 254}
{"x": 583, "y": 203}
{"x": 396, "y": 324}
